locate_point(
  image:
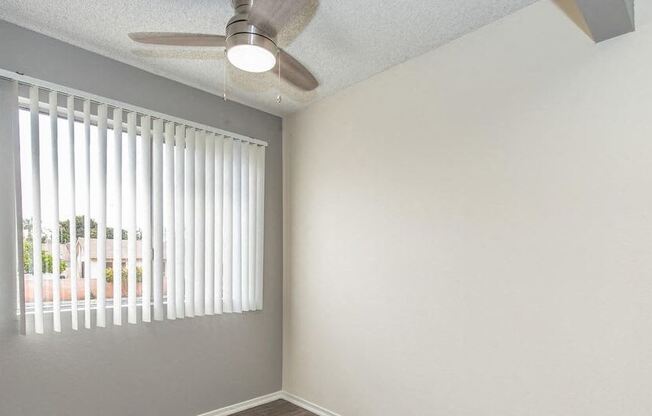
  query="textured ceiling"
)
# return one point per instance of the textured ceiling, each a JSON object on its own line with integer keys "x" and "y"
{"x": 342, "y": 41}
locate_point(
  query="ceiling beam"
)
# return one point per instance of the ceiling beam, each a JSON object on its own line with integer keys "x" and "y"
{"x": 607, "y": 19}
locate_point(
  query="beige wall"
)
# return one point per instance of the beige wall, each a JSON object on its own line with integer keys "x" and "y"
{"x": 470, "y": 233}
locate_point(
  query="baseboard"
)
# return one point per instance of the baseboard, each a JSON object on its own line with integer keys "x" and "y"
{"x": 239, "y": 407}
{"x": 311, "y": 407}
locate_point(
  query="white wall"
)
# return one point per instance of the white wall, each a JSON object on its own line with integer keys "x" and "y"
{"x": 470, "y": 233}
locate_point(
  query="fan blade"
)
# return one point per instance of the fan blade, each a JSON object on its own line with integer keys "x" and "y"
{"x": 178, "y": 39}
{"x": 189, "y": 54}
{"x": 294, "y": 72}
{"x": 271, "y": 16}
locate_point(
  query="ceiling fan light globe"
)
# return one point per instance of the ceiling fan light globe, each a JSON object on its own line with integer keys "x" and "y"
{"x": 251, "y": 58}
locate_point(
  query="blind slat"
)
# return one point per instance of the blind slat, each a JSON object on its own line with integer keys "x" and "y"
{"x": 219, "y": 184}
{"x": 237, "y": 235}
{"x": 37, "y": 268}
{"x": 100, "y": 174}
{"x": 72, "y": 219}
{"x": 146, "y": 202}
{"x": 190, "y": 222}
{"x": 87, "y": 214}
{"x": 209, "y": 209}
{"x": 54, "y": 204}
{"x": 179, "y": 218}
{"x": 227, "y": 226}
{"x": 244, "y": 222}
{"x": 132, "y": 312}
{"x": 168, "y": 209}
{"x": 260, "y": 225}
{"x": 200, "y": 172}
{"x": 117, "y": 216}
{"x": 251, "y": 220}
{"x": 157, "y": 219}
{"x": 13, "y": 121}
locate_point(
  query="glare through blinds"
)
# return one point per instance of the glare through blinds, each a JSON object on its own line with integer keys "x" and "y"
{"x": 129, "y": 210}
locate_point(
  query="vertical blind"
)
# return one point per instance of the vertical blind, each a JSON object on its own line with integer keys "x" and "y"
{"x": 133, "y": 211}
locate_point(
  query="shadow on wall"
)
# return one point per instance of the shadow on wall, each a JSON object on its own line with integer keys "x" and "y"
{"x": 572, "y": 11}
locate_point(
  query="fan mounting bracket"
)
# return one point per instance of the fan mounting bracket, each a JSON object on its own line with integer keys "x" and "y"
{"x": 241, "y": 6}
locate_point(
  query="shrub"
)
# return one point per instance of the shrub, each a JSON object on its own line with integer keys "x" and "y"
{"x": 108, "y": 272}
{"x": 124, "y": 274}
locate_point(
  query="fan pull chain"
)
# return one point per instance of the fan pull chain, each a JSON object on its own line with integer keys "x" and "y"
{"x": 226, "y": 63}
{"x": 278, "y": 58}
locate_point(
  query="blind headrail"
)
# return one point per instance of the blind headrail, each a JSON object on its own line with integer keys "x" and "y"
{"x": 49, "y": 86}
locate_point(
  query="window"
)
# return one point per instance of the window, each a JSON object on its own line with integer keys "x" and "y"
{"x": 159, "y": 216}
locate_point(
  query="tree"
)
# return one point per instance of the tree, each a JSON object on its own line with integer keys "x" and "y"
{"x": 46, "y": 259}
{"x": 28, "y": 225}
{"x": 64, "y": 230}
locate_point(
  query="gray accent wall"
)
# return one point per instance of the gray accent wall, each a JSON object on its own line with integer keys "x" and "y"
{"x": 176, "y": 368}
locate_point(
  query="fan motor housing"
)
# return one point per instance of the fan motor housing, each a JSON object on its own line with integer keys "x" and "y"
{"x": 240, "y": 32}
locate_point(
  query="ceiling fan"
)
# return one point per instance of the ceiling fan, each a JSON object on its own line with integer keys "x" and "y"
{"x": 250, "y": 39}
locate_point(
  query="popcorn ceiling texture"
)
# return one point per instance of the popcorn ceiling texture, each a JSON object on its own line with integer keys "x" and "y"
{"x": 342, "y": 41}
